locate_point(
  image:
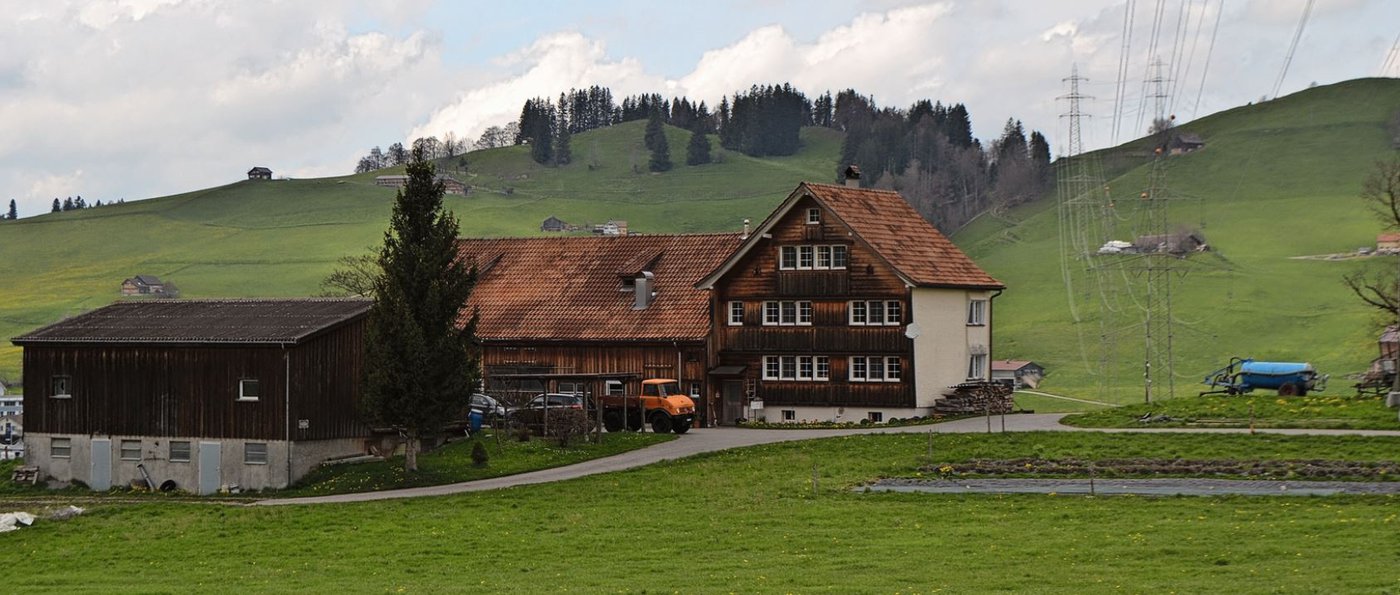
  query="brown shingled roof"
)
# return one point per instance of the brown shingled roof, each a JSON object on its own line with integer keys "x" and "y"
{"x": 893, "y": 230}
{"x": 240, "y": 321}
{"x": 570, "y": 288}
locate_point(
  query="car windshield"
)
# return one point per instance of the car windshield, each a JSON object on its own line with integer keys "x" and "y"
{"x": 660, "y": 389}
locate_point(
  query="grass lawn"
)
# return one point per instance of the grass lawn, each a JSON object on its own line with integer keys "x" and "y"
{"x": 1269, "y": 411}
{"x": 747, "y": 520}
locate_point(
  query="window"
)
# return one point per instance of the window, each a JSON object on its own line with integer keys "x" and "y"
{"x": 838, "y": 257}
{"x": 876, "y": 312}
{"x": 179, "y": 452}
{"x": 823, "y": 257}
{"x": 976, "y": 365}
{"x": 615, "y": 388}
{"x": 789, "y": 415}
{"x": 875, "y": 369}
{"x": 875, "y": 417}
{"x": 977, "y": 313}
{"x": 695, "y": 391}
{"x": 61, "y": 448}
{"x": 255, "y": 453}
{"x": 797, "y": 367}
{"x": 804, "y": 257}
{"x": 787, "y": 313}
{"x": 814, "y": 216}
{"x": 788, "y": 259}
{"x": 736, "y": 313}
{"x": 809, "y": 257}
{"x": 131, "y": 450}
{"x": 248, "y": 389}
{"x": 62, "y": 387}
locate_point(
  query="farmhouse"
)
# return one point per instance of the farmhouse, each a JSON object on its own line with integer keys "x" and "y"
{"x": 1388, "y": 243}
{"x": 204, "y": 393}
{"x": 620, "y": 305}
{"x": 1185, "y": 142}
{"x": 148, "y": 285}
{"x": 845, "y": 304}
{"x": 450, "y": 184}
{"x": 554, "y": 224}
{"x": 1017, "y": 373}
{"x": 260, "y": 173}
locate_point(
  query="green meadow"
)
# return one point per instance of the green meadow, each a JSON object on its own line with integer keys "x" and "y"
{"x": 752, "y": 521}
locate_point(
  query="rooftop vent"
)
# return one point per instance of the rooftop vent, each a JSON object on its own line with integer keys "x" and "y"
{"x": 852, "y": 176}
{"x": 644, "y": 290}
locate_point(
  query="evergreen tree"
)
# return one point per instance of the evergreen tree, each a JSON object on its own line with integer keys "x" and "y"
{"x": 562, "y": 153}
{"x": 68, "y": 204}
{"x": 698, "y": 151}
{"x": 14, "y": 213}
{"x": 420, "y": 365}
{"x": 655, "y": 140}
{"x": 56, "y": 206}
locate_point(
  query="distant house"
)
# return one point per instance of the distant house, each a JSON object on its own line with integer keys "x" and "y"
{"x": 1172, "y": 243}
{"x": 450, "y": 184}
{"x": 1388, "y": 242}
{"x": 614, "y": 227}
{"x": 149, "y": 285}
{"x": 554, "y": 224}
{"x": 1185, "y": 142}
{"x": 204, "y": 393}
{"x": 1017, "y": 373}
{"x": 11, "y": 404}
{"x": 11, "y": 436}
{"x": 260, "y": 173}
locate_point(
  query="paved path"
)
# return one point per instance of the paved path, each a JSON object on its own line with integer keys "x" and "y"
{"x": 713, "y": 439}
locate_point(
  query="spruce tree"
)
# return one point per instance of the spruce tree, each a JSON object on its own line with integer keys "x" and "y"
{"x": 420, "y": 366}
{"x": 698, "y": 151}
{"x": 562, "y": 153}
{"x": 14, "y": 213}
{"x": 56, "y": 206}
{"x": 655, "y": 140}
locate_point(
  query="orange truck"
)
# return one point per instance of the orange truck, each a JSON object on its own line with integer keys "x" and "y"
{"x": 661, "y": 404}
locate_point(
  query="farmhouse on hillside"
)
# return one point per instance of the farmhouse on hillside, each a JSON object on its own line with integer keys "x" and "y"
{"x": 148, "y": 285}
{"x": 1017, "y": 373}
{"x": 1185, "y": 142}
{"x": 554, "y": 224}
{"x": 844, "y": 304}
{"x": 450, "y": 184}
{"x": 202, "y": 393}
{"x": 1388, "y": 243}
{"x": 260, "y": 173}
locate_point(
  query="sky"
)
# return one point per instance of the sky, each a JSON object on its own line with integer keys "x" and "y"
{"x": 131, "y": 99}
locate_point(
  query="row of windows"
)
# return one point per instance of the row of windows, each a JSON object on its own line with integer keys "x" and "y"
{"x": 254, "y": 453}
{"x": 61, "y": 387}
{"x": 873, "y": 416}
{"x": 817, "y": 368}
{"x": 812, "y": 257}
{"x": 874, "y": 369}
{"x": 859, "y": 313}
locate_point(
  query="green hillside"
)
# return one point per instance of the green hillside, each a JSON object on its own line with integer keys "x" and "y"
{"x": 1275, "y": 181}
{"x": 280, "y": 238}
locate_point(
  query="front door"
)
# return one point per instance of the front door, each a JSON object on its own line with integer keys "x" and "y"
{"x": 732, "y": 393}
{"x": 210, "y": 461}
{"x": 100, "y": 478}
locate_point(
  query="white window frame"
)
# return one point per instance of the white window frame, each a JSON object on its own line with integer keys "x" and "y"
{"x": 789, "y": 415}
{"x": 178, "y": 458}
{"x": 736, "y": 313}
{"x": 243, "y": 389}
{"x": 787, "y": 258}
{"x": 876, "y": 313}
{"x": 894, "y": 312}
{"x": 822, "y": 367}
{"x": 614, "y": 388}
{"x": 788, "y": 370}
{"x": 771, "y": 367}
{"x": 875, "y": 368}
{"x": 875, "y": 417}
{"x": 857, "y": 313}
{"x": 863, "y": 312}
{"x": 855, "y": 370}
{"x": 809, "y": 257}
{"x": 977, "y": 313}
{"x": 61, "y": 448}
{"x": 787, "y": 313}
{"x": 840, "y": 256}
{"x": 823, "y": 257}
{"x": 977, "y": 366}
{"x": 771, "y": 314}
{"x": 803, "y": 368}
{"x": 130, "y": 450}
{"x": 814, "y": 216}
{"x": 894, "y": 369}
{"x": 64, "y": 380}
{"x": 251, "y": 455}
{"x": 806, "y": 257}
{"x": 804, "y": 313}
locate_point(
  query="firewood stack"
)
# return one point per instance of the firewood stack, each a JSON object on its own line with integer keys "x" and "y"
{"x": 975, "y": 398}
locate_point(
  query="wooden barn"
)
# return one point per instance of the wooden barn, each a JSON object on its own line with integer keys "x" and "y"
{"x": 260, "y": 173}
{"x": 204, "y": 393}
{"x": 845, "y": 304}
{"x": 591, "y": 305}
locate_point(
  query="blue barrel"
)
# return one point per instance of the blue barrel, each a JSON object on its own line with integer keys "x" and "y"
{"x": 475, "y": 418}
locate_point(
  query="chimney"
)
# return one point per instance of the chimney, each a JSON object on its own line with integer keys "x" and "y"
{"x": 746, "y": 229}
{"x": 852, "y": 176}
{"x": 643, "y": 289}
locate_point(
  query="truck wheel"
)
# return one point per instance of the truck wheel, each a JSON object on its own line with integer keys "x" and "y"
{"x": 634, "y": 422}
{"x": 680, "y": 428}
{"x": 1288, "y": 389}
{"x": 661, "y": 423}
{"x": 612, "y": 420}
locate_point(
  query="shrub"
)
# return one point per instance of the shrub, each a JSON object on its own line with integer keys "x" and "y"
{"x": 479, "y": 455}
{"x": 565, "y": 424}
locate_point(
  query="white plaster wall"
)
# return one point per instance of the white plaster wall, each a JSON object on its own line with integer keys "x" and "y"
{"x": 942, "y": 349}
{"x": 774, "y": 414}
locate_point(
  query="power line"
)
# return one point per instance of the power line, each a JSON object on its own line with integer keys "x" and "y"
{"x": 1390, "y": 57}
{"x": 1220, "y": 10}
{"x": 1303, "y": 22}
{"x": 1121, "y": 84}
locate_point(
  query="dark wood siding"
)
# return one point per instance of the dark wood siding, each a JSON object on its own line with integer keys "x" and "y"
{"x": 192, "y": 390}
{"x": 756, "y": 278}
{"x": 646, "y": 360}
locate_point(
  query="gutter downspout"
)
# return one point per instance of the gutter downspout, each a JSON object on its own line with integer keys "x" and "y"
{"x": 991, "y": 353}
{"x": 287, "y": 408}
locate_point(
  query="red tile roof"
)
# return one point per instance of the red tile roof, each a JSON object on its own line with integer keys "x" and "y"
{"x": 900, "y": 235}
{"x": 570, "y": 288}
{"x": 240, "y": 321}
{"x": 1009, "y": 365}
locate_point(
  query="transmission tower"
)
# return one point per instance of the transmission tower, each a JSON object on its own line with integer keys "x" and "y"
{"x": 1157, "y": 263}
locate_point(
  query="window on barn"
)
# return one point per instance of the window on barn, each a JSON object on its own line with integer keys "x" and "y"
{"x": 61, "y": 448}
{"x": 248, "y": 389}
{"x": 61, "y": 387}
{"x": 131, "y": 450}
{"x": 179, "y": 451}
{"x": 254, "y": 453}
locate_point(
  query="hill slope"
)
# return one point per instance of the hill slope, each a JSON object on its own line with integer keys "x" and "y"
{"x": 280, "y": 238}
{"x": 1276, "y": 181}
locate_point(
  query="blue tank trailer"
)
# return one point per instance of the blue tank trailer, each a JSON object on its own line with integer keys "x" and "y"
{"x": 1243, "y": 375}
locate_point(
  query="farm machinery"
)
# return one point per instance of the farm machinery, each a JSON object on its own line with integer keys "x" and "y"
{"x": 1243, "y": 375}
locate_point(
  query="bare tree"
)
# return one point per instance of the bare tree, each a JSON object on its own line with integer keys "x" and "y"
{"x": 1379, "y": 286}
{"x": 354, "y": 276}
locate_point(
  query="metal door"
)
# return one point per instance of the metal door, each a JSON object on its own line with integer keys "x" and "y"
{"x": 733, "y": 395}
{"x": 210, "y": 471}
{"x": 100, "y": 478}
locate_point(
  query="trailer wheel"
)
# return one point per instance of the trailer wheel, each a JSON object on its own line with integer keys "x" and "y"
{"x": 661, "y": 423}
{"x": 1288, "y": 389}
{"x": 612, "y": 420}
{"x": 1302, "y": 391}
{"x": 680, "y": 428}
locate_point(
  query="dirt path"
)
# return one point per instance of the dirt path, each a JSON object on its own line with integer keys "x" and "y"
{"x": 713, "y": 439}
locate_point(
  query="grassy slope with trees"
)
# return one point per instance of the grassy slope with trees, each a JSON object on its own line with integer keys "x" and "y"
{"x": 280, "y": 238}
{"x": 1276, "y": 180}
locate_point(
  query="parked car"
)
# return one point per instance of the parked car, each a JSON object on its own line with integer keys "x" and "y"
{"x": 488, "y": 407}
{"x": 532, "y": 413}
